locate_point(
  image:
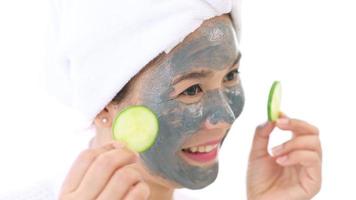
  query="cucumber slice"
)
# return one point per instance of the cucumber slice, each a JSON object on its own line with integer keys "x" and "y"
{"x": 137, "y": 127}
{"x": 274, "y": 101}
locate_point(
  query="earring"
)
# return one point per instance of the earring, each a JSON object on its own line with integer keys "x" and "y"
{"x": 104, "y": 120}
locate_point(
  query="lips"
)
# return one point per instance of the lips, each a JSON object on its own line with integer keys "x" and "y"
{"x": 201, "y": 149}
{"x": 202, "y": 153}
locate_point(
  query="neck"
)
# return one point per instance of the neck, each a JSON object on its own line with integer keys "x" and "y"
{"x": 160, "y": 192}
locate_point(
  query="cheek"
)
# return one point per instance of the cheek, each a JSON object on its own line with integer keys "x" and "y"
{"x": 182, "y": 118}
{"x": 236, "y": 99}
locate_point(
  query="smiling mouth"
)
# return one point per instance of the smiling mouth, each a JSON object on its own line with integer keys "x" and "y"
{"x": 200, "y": 149}
{"x": 202, "y": 154}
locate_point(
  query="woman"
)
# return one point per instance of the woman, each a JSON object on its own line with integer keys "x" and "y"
{"x": 195, "y": 90}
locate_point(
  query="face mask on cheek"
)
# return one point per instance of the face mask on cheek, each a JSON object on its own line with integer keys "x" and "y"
{"x": 178, "y": 122}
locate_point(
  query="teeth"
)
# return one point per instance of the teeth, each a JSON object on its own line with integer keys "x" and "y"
{"x": 209, "y": 148}
{"x": 193, "y": 149}
{"x": 202, "y": 149}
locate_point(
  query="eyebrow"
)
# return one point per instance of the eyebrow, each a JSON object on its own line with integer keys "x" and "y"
{"x": 203, "y": 73}
{"x": 192, "y": 75}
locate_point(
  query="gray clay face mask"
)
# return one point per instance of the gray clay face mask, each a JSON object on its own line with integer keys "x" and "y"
{"x": 213, "y": 48}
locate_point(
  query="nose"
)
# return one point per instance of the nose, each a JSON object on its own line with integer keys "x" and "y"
{"x": 219, "y": 112}
{"x": 220, "y": 125}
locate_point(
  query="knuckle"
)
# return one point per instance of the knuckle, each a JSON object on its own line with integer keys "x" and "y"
{"x": 317, "y": 158}
{"x": 316, "y": 141}
{"x": 106, "y": 161}
{"x": 130, "y": 154}
{"x": 307, "y": 142}
{"x": 126, "y": 155}
{"x": 316, "y": 130}
{"x": 297, "y": 155}
{"x": 119, "y": 176}
{"x": 294, "y": 122}
{"x": 297, "y": 143}
{"x": 313, "y": 129}
{"x": 113, "y": 159}
{"x": 87, "y": 155}
{"x": 128, "y": 174}
{"x": 312, "y": 160}
{"x": 300, "y": 125}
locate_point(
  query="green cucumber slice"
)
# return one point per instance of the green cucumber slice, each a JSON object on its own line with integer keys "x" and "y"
{"x": 274, "y": 101}
{"x": 137, "y": 127}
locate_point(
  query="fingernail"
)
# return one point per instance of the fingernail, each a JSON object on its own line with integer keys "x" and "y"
{"x": 277, "y": 150}
{"x": 262, "y": 125}
{"x": 282, "y": 160}
{"x": 282, "y": 121}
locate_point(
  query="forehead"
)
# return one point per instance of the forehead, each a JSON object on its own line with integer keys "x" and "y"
{"x": 212, "y": 46}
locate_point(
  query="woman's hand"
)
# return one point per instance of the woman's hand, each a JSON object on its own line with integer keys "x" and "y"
{"x": 294, "y": 170}
{"x": 104, "y": 174}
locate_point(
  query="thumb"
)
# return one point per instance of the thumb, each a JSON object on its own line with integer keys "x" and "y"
{"x": 260, "y": 140}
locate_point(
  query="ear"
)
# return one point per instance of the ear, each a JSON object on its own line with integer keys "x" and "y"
{"x": 106, "y": 117}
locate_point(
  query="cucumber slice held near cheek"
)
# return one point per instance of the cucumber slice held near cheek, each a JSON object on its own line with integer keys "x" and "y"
{"x": 137, "y": 127}
{"x": 274, "y": 101}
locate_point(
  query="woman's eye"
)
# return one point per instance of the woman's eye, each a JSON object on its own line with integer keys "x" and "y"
{"x": 231, "y": 75}
{"x": 193, "y": 90}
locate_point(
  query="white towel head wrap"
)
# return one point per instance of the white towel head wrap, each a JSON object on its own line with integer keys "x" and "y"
{"x": 97, "y": 46}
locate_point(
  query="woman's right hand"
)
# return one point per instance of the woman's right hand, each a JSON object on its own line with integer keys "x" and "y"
{"x": 104, "y": 173}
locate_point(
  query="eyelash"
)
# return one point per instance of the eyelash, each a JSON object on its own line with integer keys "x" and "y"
{"x": 196, "y": 89}
{"x": 233, "y": 73}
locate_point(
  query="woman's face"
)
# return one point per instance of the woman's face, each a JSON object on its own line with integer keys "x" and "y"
{"x": 196, "y": 93}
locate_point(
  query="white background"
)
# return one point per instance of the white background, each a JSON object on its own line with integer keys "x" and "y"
{"x": 307, "y": 44}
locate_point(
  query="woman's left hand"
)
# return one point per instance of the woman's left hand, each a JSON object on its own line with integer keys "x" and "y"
{"x": 293, "y": 172}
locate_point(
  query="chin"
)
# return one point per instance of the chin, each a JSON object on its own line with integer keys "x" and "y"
{"x": 203, "y": 177}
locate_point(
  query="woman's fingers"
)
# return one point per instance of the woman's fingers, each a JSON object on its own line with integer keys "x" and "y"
{"x": 305, "y": 158}
{"x": 310, "y": 170}
{"x": 81, "y": 166}
{"x": 140, "y": 191}
{"x": 260, "y": 141}
{"x": 297, "y": 126}
{"x": 308, "y": 142}
{"x": 120, "y": 184}
{"x": 100, "y": 172}
{"x": 306, "y": 136}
